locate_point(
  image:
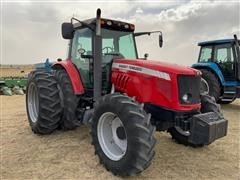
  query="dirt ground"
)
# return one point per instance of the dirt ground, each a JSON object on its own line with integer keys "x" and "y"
{"x": 69, "y": 155}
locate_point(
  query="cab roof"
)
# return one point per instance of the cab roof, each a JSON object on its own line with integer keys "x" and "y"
{"x": 214, "y": 42}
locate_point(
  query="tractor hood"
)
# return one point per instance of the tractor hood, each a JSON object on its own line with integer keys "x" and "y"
{"x": 157, "y": 66}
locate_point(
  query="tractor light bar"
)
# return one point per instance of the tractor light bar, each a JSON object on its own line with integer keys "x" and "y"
{"x": 117, "y": 25}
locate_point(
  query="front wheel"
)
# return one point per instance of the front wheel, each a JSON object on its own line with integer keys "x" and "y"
{"x": 122, "y": 135}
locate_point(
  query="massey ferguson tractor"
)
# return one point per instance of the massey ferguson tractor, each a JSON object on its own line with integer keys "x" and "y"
{"x": 122, "y": 98}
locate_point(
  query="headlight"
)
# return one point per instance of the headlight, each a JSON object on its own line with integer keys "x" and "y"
{"x": 186, "y": 97}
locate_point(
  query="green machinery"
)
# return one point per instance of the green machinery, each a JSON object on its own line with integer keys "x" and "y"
{"x": 13, "y": 85}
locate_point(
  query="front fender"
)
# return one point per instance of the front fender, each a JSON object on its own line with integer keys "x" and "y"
{"x": 212, "y": 67}
{"x": 72, "y": 73}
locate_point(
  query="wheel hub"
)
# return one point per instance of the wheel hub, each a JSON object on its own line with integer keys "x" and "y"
{"x": 121, "y": 133}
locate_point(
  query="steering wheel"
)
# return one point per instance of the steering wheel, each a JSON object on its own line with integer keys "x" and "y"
{"x": 108, "y": 49}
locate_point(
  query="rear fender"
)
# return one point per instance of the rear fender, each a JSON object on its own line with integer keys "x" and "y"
{"x": 72, "y": 73}
{"x": 213, "y": 68}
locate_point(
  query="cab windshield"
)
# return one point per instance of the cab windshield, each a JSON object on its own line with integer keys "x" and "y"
{"x": 118, "y": 43}
{"x": 206, "y": 54}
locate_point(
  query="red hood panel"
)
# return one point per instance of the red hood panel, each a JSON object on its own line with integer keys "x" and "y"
{"x": 159, "y": 66}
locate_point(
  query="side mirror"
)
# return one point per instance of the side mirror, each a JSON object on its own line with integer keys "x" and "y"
{"x": 67, "y": 30}
{"x": 160, "y": 40}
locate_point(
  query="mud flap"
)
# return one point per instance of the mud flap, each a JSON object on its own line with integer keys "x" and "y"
{"x": 206, "y": 128}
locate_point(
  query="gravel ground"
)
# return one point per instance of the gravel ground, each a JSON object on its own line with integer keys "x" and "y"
{"x": 69, "y": 155}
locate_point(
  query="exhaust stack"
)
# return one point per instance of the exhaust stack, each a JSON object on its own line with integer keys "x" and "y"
{"x": 97, "y": 60}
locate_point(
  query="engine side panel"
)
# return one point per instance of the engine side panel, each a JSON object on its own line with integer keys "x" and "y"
{"x": 73, "y": 75}
{"x": 148, "y": 86}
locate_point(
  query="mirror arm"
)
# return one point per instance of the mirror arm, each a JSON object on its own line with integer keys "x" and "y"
{"x": 146, "y": 33}
{"x": 83, "y": 23}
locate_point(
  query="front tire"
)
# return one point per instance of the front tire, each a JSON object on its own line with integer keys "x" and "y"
{"x": 43, "y": 102}
{"x": 122, "y": 135}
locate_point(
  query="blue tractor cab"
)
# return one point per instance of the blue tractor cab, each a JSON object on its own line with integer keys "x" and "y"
{"x": 219, "y": 63}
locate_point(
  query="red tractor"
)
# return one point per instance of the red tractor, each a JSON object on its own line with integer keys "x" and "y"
{"x": 122, "y": 98}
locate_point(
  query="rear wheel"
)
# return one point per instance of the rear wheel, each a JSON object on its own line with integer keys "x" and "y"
{"x": 43, "y": 102}
{"x": 69, "y": 118}
{"x": 122, "y": 135}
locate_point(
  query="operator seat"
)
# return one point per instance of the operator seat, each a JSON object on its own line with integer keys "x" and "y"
{"x": 107, "y": 58}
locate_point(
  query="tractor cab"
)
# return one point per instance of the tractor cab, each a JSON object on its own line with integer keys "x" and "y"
{"x": 117, "y": 41}
{"x": 224, "y": 54}
{"x": 114, "y": 40}
{"x": 219, "y": 62}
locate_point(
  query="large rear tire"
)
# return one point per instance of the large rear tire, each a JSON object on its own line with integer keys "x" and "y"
{"x": 43, "y": 102}
{"x": 213, "y": 83}
{"x": 122, "y": 135}
{"x": 69, "y": 101}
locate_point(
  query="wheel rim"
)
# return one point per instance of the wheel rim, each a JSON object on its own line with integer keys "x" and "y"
{"x": 112, "y": 136}
{"x": 204, "y": 88}
{"x": 33, "y": 102}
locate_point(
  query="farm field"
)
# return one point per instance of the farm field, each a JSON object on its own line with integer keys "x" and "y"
{"x": 70, "y": 155}
{"x": 15, "y": 70}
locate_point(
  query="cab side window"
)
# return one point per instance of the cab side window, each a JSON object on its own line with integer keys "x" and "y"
{"x": 223, "y": 53}
{"x": 126, "y": 46}
{"x": 223, "y": 56}
{"x": 205, "y": 54}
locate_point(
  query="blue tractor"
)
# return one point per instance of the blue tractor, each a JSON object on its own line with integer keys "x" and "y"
{"x": 219, "y": 62}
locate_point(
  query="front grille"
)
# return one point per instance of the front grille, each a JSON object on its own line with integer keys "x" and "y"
{"x": 189, "y": 85}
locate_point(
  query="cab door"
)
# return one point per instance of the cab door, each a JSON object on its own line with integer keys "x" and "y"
{"x": 236, "y": 55}
{"x": 223, "y": 57}
{"x": 82, "y": 41}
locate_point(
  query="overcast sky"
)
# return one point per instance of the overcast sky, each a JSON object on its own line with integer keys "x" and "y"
{"x": 31, "y": 31}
